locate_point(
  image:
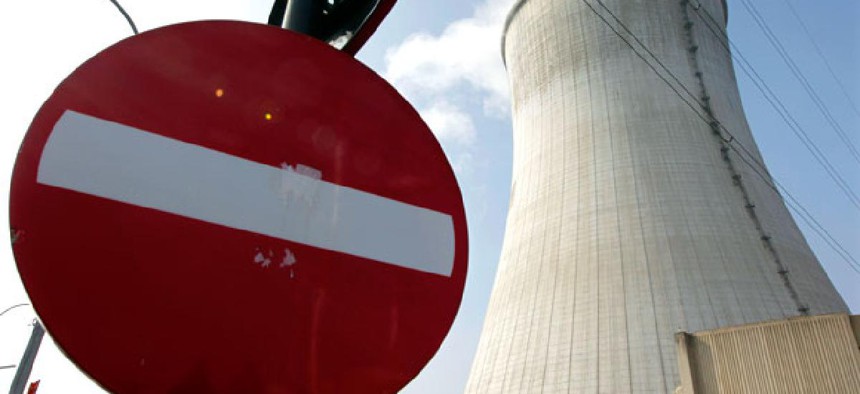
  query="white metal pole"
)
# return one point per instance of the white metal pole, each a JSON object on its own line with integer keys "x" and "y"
{"x": 26, "y": 364}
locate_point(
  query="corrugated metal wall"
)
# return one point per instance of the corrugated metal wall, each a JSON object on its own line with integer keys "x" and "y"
{"x": 855, "y": 324}
{"x": 801, "y": 355}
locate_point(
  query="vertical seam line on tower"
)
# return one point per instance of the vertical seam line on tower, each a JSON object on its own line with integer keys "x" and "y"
{"x": 574, "y": 315}
{"x": 537, "y": 286}
{"x": 619, "y": 233}
{"x": 646, "y": 258}
{"x": 516, "y": 324}
{"x": 558, "y": 248}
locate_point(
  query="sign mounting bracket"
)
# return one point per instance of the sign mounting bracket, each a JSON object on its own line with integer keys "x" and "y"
{"x": 343, "y": 24}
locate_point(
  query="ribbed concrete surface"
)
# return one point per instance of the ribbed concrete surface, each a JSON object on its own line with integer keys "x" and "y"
{"x": 627, "y": 223}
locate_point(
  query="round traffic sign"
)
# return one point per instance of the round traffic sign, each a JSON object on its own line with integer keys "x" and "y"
{"x": 231, "y": 207}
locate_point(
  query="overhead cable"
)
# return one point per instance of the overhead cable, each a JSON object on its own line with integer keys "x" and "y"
{"x": 823, "y": 58}
{"x": 13, "y": 307}
{"x": 795, "y": 70}
{"x": 125, "y": 14}
{"x": 713, "y": 26}
{"x": 745, "y": 154}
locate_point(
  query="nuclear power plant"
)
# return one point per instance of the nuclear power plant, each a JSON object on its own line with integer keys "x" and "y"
{"x": 639, "y": 206}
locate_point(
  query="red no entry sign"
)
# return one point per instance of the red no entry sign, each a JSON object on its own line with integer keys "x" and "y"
{"x": 230, "y": 207}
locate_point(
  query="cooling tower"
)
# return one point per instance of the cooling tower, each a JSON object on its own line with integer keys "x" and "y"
{"x": 632, "y": 215}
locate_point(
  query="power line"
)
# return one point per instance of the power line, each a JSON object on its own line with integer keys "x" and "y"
{"x": 719, "y": 129}
{"x": 771, "y": 182}
{"x": 810, "y": 145}
{"x": 777, "y": 104}
{"x": 800, "y": 133}
{"x": 125, "y": 14}
{"x": 750, "y": 158}
{"x": 804, "y": 214}
{"x": 666, "y": 81}
{"x": 13, "y": 307}
{"x": 823, "y": 58}
{"x": 795, "y": 70}
{"x": 663, "y": 66}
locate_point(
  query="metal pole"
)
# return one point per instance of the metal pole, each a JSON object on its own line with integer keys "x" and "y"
{"x": 302, "y": 16}
{"x": 26, "y": 364}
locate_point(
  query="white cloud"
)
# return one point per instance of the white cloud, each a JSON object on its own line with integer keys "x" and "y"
{"x": 467, "y": 54}
{"x": 464, "y": 164}
{"x": 449, "y": 122}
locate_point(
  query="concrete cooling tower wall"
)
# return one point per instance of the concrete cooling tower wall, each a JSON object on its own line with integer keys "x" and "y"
{"x": 632, "y": 215}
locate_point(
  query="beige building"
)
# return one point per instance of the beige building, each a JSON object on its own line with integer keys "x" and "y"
{"x": 632, "y": 216}
{"x": 805, "y": 355}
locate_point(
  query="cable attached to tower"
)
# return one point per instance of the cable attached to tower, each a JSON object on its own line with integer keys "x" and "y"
{"x": 744, "y": 154}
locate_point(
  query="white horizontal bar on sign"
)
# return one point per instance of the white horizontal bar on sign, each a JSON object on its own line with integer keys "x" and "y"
{"x": 118, "y": 162}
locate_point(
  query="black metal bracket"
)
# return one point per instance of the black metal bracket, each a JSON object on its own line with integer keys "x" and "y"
{"x": 333, "y": 21}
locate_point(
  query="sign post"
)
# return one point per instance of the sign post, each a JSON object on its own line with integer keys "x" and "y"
{"x": 22, "y": 375}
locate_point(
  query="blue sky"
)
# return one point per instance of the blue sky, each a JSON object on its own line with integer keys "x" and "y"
{"x": 444, "y": 56}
